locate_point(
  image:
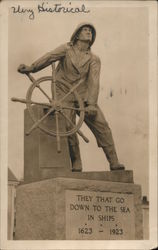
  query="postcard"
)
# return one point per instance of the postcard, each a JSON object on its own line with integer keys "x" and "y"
{"x": 78, "y": 124}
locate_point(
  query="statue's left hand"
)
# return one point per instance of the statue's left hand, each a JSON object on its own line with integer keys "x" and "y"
{"x": 91, "y": 110}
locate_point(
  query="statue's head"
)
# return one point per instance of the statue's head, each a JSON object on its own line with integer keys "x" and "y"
{"x": 84, "y": 31}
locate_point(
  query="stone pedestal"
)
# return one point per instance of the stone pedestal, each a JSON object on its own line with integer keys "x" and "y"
{"x": 54, "y": 203}
{"x": 41, "y": 160}
{"x": 74, "y": 208}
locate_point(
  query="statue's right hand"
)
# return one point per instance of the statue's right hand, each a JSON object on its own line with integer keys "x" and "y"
{"x": 24, "y": 69}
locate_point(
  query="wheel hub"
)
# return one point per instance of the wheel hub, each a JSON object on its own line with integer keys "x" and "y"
{"x": 57, "y": 106}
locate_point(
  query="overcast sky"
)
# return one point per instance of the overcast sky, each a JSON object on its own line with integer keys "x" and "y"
{"x": 122, "y": 45}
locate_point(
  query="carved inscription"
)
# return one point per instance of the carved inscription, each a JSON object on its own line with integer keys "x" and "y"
{"x": 99, "y": 216}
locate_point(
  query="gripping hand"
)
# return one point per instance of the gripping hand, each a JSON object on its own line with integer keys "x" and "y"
{"x": 91, "y": 110}
{"x": 24, "y": 69}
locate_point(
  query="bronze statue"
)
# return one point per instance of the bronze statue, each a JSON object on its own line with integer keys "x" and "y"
{"x": 77, "y": 64}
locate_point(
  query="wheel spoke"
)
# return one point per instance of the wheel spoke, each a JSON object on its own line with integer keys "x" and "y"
{"x": 63, "y": 98}
{"x": 35, "y": 125}
{"x": 73, "y": 108}
{"x": 71, "y": 90}
{"x": 53, "y": 84}
{"x": 67, "y": 118}
{"x": 41, "y": 103}
{"x": 39, "y": 87}
{"x": 31, "y": 102}
{"x": 73, "y": 126}
{"x": 57, "y": 131}
{"x": 55, "y": 93}
{"x": 31, "y": 78}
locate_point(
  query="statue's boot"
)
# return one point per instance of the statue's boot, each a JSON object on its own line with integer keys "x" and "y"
{"x": 75, "y": 158}
{"x": 112, "y": 158}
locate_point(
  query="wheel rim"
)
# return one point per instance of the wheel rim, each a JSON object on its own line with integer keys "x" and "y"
{"x": 41, "y": 126}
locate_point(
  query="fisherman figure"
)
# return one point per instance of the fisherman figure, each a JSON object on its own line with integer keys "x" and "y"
{"x": 78, "y": 63}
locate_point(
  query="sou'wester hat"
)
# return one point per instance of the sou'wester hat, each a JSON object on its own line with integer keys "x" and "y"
{"x": 79, "y": 27}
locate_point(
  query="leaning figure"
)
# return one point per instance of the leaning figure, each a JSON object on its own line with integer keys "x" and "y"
{"x": 77, "y": 63}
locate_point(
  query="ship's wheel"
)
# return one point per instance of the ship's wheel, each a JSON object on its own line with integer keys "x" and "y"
{"x": 55, "y": 105}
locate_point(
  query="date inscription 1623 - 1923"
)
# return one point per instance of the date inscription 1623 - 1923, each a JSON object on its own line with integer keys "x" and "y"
{"x": 89, "y": 230}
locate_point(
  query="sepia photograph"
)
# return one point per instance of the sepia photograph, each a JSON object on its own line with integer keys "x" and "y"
{"x": 78, "y": 124}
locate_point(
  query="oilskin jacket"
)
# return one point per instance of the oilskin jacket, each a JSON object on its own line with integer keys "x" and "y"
{"x": 74, "y": 66}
